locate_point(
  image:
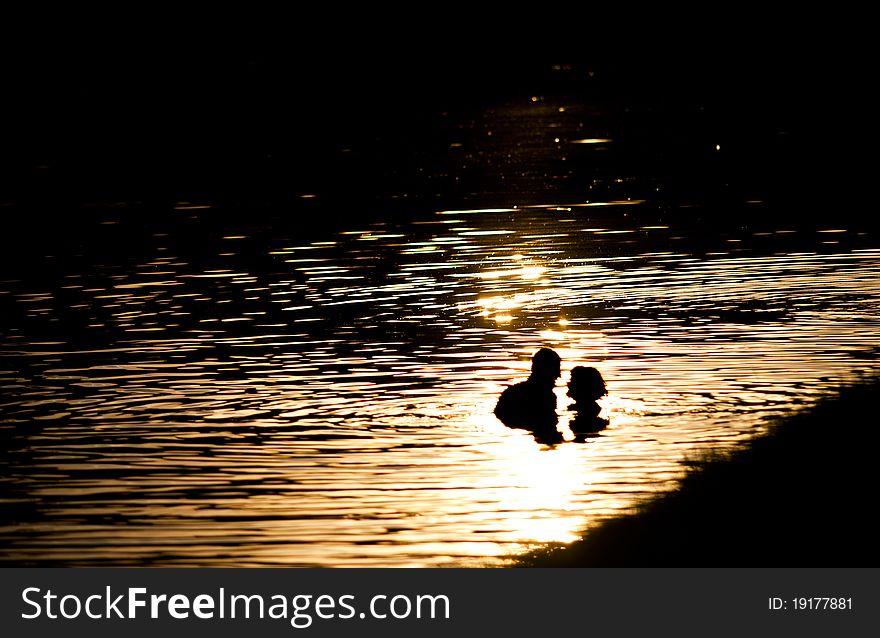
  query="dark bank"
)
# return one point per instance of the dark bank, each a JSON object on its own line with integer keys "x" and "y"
{"x": 765, "y": 505}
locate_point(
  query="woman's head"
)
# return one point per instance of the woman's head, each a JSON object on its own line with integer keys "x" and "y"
{"x": 586, "y": 384}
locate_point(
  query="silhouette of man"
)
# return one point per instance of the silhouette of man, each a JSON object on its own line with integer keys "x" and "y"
{"x": 531, "y": 404}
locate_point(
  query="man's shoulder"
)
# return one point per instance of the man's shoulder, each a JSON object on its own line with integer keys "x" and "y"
{"x": 521, "y": 389}
{"x": 526, "y": 405}
{"x": 524, "y": 392}
{"x": 522, "y": 386}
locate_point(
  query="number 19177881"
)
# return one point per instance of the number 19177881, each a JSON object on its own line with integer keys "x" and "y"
{"x": 814, "y": 603}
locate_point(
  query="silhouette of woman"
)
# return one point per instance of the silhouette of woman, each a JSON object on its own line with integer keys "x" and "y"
{"x": 585, "y": 387}
{"x": 531, "y": 404}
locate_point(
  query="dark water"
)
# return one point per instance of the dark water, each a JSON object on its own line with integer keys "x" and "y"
{"x": 228, "y": 383}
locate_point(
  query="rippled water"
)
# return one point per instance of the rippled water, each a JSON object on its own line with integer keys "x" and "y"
{"x": 327, "y": 401}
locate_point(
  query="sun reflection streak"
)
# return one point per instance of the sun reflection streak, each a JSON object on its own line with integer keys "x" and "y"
{"x": 526, "y": 272}
{"x": 537, "y": 486}
{"x": 501, "y": 303}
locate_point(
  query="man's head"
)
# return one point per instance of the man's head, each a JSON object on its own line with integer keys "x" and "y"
{"x": 546, "y": 366}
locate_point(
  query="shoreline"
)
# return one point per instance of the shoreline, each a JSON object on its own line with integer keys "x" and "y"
{"x": 797, "y": 496}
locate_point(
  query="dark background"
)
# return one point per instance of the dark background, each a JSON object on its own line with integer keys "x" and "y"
{"x": 113, "y": 118}
{"x": 250, "y": 119}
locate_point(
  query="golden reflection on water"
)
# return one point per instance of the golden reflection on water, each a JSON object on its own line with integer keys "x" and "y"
{"x": 336, "y": 410}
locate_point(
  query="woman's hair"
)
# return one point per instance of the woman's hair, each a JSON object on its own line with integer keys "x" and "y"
{"x": 586, "y": 382}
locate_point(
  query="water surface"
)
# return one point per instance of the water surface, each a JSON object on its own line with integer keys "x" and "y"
{"x": 261, "y": 396}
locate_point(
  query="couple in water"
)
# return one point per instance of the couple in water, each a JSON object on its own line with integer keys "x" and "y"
{"x": 531, "y": 405}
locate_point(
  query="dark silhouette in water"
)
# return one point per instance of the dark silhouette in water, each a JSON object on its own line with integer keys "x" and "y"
{"x": 531, "y": 404}
{"x": 585, "y": 387}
